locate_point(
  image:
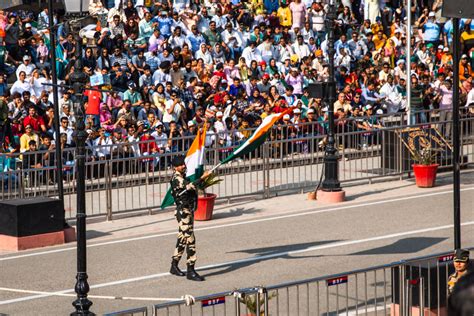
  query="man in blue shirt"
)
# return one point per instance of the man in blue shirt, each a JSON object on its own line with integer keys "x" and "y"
{"x": 196, "y": 39}
{"x": 431, "y": 31}
{"x": 164, "y": 23}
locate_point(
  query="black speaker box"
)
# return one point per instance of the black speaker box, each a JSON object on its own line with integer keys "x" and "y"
{"x": 458, "y": 9}
{"x": 27, "y": 217}
{"x": 316, "y": 90}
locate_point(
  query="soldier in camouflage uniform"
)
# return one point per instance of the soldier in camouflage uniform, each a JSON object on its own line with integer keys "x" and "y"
{"x": 185, "y": 196}
{"x": 462, "y": 267}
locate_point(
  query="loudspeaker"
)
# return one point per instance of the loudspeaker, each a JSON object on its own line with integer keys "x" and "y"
{"x": 28, "y": 217}
{"x": 458, "y": 9}
{"x": 74, "y": 6}
{"x": 316, "y": 90}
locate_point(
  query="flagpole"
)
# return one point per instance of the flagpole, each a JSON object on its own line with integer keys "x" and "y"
{"x": 216, "y": 166}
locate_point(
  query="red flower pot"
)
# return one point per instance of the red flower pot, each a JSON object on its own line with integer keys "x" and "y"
{"x": 205, "y": 207}
{"x": 425, "y": 175}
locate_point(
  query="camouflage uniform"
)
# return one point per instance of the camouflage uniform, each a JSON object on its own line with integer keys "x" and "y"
{"x": 185, "y": 195}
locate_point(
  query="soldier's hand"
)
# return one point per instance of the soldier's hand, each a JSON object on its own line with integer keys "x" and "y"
{"x": 206, "y": 174}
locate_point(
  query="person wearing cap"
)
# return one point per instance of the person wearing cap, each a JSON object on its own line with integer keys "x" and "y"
{"x": 27, "y": 66}
{"x": 465, "y": 69}
{"x": 431, "y": 30}
{"x": 184, "y": 193}
{"x": 462, "y": 266}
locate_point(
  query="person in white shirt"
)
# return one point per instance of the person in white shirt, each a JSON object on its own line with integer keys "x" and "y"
{"x": 400, "y": 70}
{"x": 161, "y": 139}
{"x": 162, "y": 74}
{"x": 65, "y": 129}
{"x": 37, "y": 82}
{"x": 385, "y": 72}
{"x": 307, "y": 32}
{"x": 300, "y": 48}
{"x": 27, "y": 67}
{"x": 178, "y": 38}
{"x": 251, "y": 52}
{"x": 22, "y": 85}
{"x": 178, "y": 22}
{"x": 285, "y": 51}
{"x": 233, "y": 40}
{"x": 343, "y": 59}
{"x": 173, "y": 109}
{"x": 268, "y": 51}
{"x": 423, "y": 54}
{"x": 392, "y": 98}
{"x": 102, "y": 145}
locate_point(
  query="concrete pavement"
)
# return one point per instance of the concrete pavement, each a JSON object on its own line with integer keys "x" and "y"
{"x": 257, "y": 242}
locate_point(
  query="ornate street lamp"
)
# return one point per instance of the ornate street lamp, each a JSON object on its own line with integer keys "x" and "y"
{"x": 331, "y": 177}
{"x": 82, "y": 303}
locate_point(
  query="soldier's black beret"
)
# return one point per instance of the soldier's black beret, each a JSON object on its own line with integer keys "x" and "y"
{"x": 461, "y": 255}
{"x": 178, "y": 161}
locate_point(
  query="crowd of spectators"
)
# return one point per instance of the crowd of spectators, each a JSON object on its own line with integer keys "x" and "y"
{"x": 166, "y": 66}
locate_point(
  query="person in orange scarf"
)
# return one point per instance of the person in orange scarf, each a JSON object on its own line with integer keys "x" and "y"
{"x": 465, "y": 69}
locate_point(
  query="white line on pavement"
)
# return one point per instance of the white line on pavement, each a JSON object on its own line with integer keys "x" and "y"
{"x": 246, "y": 260}
{"x": 303, "y": 212}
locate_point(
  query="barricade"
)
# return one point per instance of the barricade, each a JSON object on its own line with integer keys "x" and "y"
{"x": 402, "y": 288}
{"x": 142, "y": 311}
{"x": 125, "y": 177}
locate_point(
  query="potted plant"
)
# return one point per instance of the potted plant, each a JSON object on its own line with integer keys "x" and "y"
{"x": 425, "y": 167}
{"x": 205, "y": 203}
{"x": 250, "y": 301}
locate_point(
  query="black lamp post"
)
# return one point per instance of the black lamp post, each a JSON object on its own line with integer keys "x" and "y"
{"x": 82, "y": 303}
{"x": 54, "y": 77}
{"x": 331, "y": 177}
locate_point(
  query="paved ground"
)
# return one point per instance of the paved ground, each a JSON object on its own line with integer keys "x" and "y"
{"x": 262, "y": 242}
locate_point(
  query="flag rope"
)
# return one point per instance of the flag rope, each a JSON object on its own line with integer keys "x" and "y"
{"x": 189, "y": 299}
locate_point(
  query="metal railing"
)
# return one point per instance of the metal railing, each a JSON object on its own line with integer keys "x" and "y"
{"x": 406, "y": 287}
{"x": 291, "y": 160}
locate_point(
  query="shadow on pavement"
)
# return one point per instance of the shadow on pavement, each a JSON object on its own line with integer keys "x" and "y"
{"x": 235, "y": 212}
{"x": 405, "y": 245}
{"x": 366, "y": 193}
{"x": 268, "y": 253}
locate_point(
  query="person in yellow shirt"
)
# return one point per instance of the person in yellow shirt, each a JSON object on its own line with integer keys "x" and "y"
{"x": 379, "y": 40}
{"x": 26, "y": 137}
{"x": 467, "y": 40}
{"x": 377, "y": 26}
{"x": 284, "y": 14}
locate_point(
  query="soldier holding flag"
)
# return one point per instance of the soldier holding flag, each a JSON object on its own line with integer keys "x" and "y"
{"x": 185, "y": 196}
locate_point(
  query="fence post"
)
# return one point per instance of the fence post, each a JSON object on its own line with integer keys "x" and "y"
{"x": 108, "y": 190}
{"x": 422, "y": 296}
{"x": 257, "y": 302}
{"x": 266, "y": 170}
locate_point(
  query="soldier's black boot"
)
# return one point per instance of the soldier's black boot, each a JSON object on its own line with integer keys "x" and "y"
{"x": 193, "y": 275}
{"x": 175, "y": 269}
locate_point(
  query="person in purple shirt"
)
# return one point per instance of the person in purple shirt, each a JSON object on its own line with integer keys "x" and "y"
{"x": 295, "y": 80}
{"x": 235, "y": 87}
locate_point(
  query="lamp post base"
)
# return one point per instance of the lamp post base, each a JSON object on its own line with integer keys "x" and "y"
{"x": 331, "y": 196}
{"x": 82, "y": 306}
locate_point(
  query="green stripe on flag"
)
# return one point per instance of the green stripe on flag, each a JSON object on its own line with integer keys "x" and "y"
{"x": 250, "y": 147}
{"x": 168, "y": 200}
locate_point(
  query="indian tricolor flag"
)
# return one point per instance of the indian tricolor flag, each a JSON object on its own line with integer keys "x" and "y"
{"x": 258, "y": 137}
{"x": 194, "y": 163}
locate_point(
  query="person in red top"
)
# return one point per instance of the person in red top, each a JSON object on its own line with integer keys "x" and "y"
{"x": 148, "y": 147}
{"x": 36, "y": 121}
{"x": 220, "y": 71}
{"x": 94, "y": 98}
